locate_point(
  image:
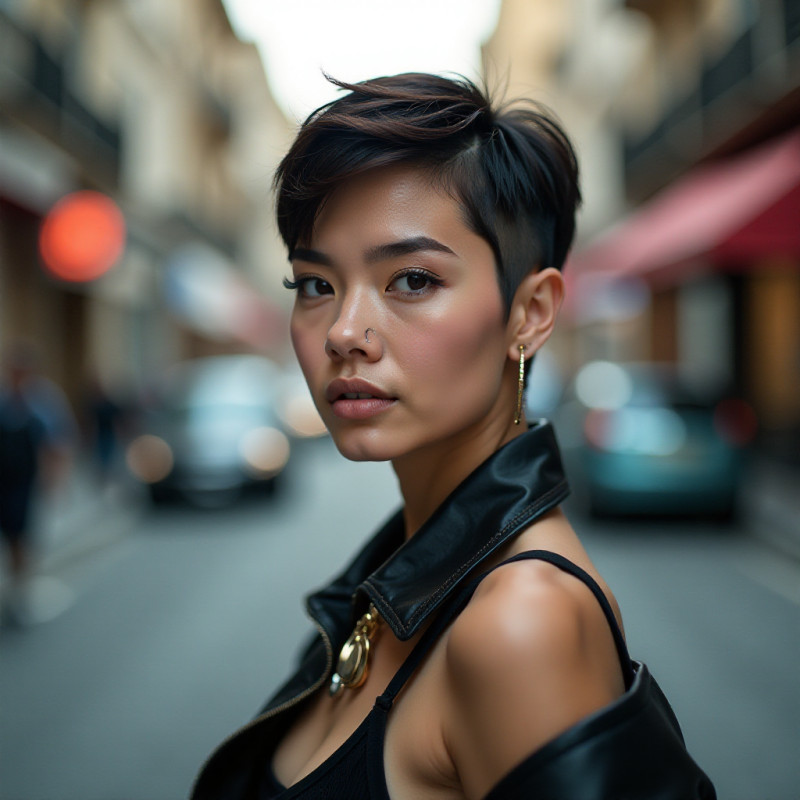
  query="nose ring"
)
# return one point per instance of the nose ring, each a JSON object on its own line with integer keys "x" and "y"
{"x": 366, "y": 334}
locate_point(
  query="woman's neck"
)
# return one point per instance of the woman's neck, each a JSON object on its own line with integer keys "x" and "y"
{"x": 428, "y": 475}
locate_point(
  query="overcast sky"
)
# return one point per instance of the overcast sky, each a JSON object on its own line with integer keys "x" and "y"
{"x": 358, "y": 39}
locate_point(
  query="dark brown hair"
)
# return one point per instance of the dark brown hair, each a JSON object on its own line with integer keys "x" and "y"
{"x": 512, "y": 170}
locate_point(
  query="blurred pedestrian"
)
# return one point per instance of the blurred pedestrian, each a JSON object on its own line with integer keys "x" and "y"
{"x": 36, "y": 435}
{"x": 480, "y": 653}
{"x": 105, "y": 418}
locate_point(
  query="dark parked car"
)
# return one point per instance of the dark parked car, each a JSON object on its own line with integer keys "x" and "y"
{"x": 639, "y": 441}
{"x": 210, "y": 428}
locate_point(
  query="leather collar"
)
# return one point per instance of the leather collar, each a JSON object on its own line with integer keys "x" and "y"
{"x": 409, "y": 580}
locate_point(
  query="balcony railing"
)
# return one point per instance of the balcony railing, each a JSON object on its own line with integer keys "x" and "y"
{"x": 732, "y": 69}
{"x": 681, "y": 134}
{"x": 677, "y": 130}
{"x": 791, "y": 21}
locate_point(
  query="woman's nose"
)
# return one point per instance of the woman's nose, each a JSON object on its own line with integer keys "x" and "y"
{"x": 352, "y": 335}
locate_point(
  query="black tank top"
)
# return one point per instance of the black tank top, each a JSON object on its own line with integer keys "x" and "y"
{"x": 355, "y": 770}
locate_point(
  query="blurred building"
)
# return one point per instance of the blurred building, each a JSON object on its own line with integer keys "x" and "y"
{"x": 161, "y": 107}
{"x": 686, "y": 117}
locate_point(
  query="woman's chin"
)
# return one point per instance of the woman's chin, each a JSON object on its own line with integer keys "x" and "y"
{"x": 365, "y": 446}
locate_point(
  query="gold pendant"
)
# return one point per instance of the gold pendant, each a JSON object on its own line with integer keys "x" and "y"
{"x": 353, "y": 665}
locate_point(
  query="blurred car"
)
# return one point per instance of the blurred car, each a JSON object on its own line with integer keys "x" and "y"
{"x": 638, "y": 441}
{"x": 211, "y": 428}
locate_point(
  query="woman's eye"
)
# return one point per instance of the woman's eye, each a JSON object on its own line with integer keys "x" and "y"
{"x": 414, "y": 282}
{"x": 315, "y": 287}
{"x": 309, "y": 287}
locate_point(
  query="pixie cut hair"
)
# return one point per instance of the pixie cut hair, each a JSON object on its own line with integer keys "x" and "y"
{"x": 512, "y": 169}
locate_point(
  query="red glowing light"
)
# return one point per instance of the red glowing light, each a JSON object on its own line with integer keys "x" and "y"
{"x": 82, "y": 236}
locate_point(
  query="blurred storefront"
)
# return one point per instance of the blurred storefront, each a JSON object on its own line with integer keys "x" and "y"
{"x": 719, "y": 251}
{"x": 160, "y": 107}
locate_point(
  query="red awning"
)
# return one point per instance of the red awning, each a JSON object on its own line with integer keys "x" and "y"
{"x": 725, "y": 214}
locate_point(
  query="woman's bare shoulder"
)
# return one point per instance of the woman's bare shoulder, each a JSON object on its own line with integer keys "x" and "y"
{"x": 530, "y": 655}
{"x": 527, "y": 613}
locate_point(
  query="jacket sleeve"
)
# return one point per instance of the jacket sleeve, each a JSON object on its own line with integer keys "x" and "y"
{"x": 630, "y": 750}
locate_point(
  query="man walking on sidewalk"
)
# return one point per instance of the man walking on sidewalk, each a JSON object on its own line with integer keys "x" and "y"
{"x": 36, "y": 432}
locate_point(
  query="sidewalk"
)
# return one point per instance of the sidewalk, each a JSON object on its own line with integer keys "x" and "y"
{"x": 771, "y": 505}
{"x": 78, "y": 518}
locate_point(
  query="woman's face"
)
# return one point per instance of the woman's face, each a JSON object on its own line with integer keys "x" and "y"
{"x": 398, "y": 323}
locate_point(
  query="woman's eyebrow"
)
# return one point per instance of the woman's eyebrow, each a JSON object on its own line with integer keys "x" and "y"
{"x": 404, "y": 247}
{"x": 380, "y": 252}
{"x": 312, "y": 256}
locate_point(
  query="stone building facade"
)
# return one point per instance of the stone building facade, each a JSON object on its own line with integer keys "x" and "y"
{"x": 161, "y": 107}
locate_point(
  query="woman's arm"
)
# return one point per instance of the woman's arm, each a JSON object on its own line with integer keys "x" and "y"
{"x": 530, "y": 656}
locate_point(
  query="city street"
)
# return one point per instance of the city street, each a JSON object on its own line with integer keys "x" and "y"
{"x": 179, "y": 630}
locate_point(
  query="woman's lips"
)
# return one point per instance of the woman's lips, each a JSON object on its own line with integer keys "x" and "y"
{"x": 360, "y": 407}
{"x": 355, "y": 398}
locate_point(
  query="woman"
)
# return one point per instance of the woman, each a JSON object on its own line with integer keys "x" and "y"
{"x": 426, "y": 232}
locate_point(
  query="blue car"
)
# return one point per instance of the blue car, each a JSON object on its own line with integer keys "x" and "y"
{"x": 638, "y": 441}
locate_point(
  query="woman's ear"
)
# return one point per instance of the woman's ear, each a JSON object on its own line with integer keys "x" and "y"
{"x": 534, "y": 310}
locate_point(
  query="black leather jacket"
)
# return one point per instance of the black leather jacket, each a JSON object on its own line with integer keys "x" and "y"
{"x": 406, "y": 580}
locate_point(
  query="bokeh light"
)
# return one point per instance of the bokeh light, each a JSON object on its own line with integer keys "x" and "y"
{"x": 82, "y": 236}
{"x": 603, "y": 385}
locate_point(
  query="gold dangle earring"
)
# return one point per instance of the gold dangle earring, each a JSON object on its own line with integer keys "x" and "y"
{"x": 520, "y": 384}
